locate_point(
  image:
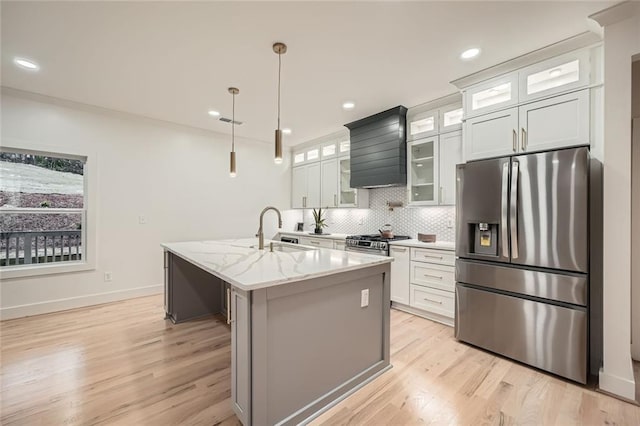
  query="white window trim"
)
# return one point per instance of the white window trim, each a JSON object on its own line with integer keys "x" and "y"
{"x": 88, "y": 262}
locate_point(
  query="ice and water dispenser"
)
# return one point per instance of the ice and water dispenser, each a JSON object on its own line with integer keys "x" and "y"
{"x": 484, "y": 238}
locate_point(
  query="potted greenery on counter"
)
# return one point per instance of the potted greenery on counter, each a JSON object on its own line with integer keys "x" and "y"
{"x": 319, "y": 221}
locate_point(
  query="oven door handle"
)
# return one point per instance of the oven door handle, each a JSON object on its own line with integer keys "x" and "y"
{"x": 367, "y": 251}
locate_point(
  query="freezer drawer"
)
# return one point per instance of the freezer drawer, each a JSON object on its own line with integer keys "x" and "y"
{"x": 560, "y": 287}
{"x": 549, "y": 337}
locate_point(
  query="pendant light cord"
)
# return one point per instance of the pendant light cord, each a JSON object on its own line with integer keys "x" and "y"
{"x": 279, "y": 71}
{"x": 233, "y": 124}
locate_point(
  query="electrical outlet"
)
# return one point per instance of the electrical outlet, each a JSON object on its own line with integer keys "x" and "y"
{"x": 449, "y": 223}
{"x": 364, "y": 298}
{"x": 361, "y": 221}
{"x": 108, "y": 276}
{"x": 142, "y": 220}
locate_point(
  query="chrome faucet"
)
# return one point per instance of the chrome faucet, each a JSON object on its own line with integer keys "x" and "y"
{"x": 260, "y": 233}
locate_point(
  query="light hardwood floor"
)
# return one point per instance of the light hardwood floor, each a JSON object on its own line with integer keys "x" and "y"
{"x": 121, "y": 363}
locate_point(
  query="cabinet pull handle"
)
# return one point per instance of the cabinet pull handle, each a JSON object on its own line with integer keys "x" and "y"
{"x": 440, "y": 195}
{"x": 432, "y": 276}
{"x": 515, "y": 140}
{"x": 432, "y": 256}
{"x": 314, "y": 242}
{"x": 304, "y": 201}
{"x": 228, "y": 306}
{"x": 433, "y": 301}
{"x": 335, "y": 200}
{"x": 524, "y": 139}
{"x": 401, "y": 250}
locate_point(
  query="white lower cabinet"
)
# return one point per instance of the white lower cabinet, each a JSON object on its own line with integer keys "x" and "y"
{"x": 423, "y": 282}
{"x": 400, "y": 274}
{"x": 240, "y": 350}
{"x": 316, "y": 242}
{"x": 339, "y": 245}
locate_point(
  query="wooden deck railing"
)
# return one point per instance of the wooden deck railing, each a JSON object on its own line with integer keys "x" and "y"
{"x": 18, "y": 248}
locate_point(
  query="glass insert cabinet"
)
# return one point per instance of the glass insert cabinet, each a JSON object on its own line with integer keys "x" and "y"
{"x": 347, "y": 194}
{"x": 422, "y": 161}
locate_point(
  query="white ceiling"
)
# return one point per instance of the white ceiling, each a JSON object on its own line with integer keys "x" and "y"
{"x": 173, "y": 61}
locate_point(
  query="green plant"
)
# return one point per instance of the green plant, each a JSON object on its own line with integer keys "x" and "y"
{"x": 319, "y": 220}
{"x": 45, "y": 204}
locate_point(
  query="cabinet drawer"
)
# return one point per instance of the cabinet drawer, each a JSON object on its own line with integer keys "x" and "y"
{"x": 316, "y": 242}
{"x": 436, "y": 276}
{"x": 432, "y": 300}
{"x": 441, "y": 257}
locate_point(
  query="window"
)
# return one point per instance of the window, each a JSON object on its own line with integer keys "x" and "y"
{"x": 43, "y": 209}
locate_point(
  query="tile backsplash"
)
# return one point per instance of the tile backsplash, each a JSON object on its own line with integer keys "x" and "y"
{"x": 404, "y": 220}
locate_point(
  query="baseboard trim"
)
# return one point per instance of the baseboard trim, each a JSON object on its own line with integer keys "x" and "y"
{"x": 427, "y": 315}
{"x": 57, "y": 305}
{"x": 616, "y": 385}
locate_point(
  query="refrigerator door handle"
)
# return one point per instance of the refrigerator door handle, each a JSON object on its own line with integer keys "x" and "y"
{"x": 515, "y": 175}
{"x": 505, "y": 210}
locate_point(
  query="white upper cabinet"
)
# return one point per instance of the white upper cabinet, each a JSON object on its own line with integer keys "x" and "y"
{"x": 421, "y": 124}
{"x": 344, "y": 147}
{"x": 497, "y": 93}
{"x": 305, "y": 186}
{"x": 560, "y": 74}
{"x": 557, "y": 122}
{"x": 491, "y": 135}
{"x": 307, "y": 155}
{"x": 451, "y": 118}
{"x": 329, "y": 150}
{"x": 329, "y": 184}
{"x": 422, "y": 179}
{"x": 450, "y": 151}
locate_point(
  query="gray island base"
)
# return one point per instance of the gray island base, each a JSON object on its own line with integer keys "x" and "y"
{"x": 300, "y": 344}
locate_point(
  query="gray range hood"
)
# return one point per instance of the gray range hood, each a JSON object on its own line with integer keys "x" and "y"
{"x": 379, "y": 149}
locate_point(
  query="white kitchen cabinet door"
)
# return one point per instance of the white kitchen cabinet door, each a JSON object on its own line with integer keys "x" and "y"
{"x": 240, "y": 354}
{"x": 497, "y": 93}
{"x": 347, "y": 196}
{"x": 339, "y": 245}
{"x": 298, "y": 187}
{"x": 329, "y": 184}
{"x": 313, "y": 185}
{"x": 491, "y": 135}
{"x": 557, "y": 122}
{"x": 400, "y": 269}
{"x": 450, "y": 153}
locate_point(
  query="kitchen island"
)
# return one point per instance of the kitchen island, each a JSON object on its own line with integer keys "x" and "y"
{"x": 308, "y": 325}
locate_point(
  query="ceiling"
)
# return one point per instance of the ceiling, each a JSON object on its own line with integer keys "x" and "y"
{"x": 174, "y": 61}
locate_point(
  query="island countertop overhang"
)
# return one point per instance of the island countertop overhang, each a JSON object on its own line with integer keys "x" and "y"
{"x": 242, "y": 265}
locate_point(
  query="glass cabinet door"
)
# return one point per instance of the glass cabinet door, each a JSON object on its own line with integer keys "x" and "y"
{"x": 347, "y": 194}
{"x": 556, "y": 75}
{"x": 422, "y": 124}
{"x": 423, "y": 171}
{"x": 495, "y": 94}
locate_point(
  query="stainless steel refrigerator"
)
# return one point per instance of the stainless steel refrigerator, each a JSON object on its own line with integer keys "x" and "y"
{"x": 522, "y": 273}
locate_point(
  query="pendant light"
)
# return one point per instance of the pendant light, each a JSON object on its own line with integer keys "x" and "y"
{"x": 280, "y": 49}
{"x": 232, "y": 160}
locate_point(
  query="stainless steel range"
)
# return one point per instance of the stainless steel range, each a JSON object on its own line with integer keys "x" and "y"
{"x": 371, "y": 244}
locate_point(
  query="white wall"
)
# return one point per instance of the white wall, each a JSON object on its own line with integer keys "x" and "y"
{"x": 621, "y": 41}
{"x": 176, "y": 176}
{"x": 635, "y": 216}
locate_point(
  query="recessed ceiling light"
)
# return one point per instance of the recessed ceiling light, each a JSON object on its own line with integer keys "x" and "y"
{"x": 348, "y": 105}
{"x": 214, "y": 113}
{"x": 26, "y": 64}
{"x": 470, "y": 53}
{"x": 286, "y": 131}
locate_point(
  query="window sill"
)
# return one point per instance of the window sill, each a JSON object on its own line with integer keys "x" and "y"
{"x": 23, "y": 271}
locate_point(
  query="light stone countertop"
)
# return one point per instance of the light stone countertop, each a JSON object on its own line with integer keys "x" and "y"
{"x": 329, "y": 236}
{"x": 438, "y": 245}
{"x": 241, "y": 264}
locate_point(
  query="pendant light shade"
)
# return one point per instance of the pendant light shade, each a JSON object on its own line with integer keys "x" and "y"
{"x": 232, "y": 158}
{"x": 280, "y": 49}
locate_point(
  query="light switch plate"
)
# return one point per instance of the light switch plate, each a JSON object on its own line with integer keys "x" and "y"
{"x": 108, "y": 276}
{"x": 142, "y": 220}
{"x": 364, "y": 298}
